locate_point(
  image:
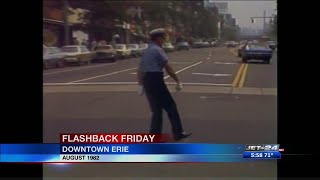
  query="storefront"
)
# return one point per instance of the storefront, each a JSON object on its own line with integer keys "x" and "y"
{"x": 53, "y": 24}
{"x": 53, "y": 33}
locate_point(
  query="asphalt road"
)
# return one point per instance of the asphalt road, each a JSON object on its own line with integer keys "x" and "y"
{"x": 223, "y": 101}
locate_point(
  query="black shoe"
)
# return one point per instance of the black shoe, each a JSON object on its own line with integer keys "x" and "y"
{"x": 182, "y": 136}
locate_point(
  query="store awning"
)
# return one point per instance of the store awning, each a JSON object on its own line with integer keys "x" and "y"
{"x": 52, "y": 21}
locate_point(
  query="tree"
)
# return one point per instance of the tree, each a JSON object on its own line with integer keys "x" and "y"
{"x": 102, "y": 16}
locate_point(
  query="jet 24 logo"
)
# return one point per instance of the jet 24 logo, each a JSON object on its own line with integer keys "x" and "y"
{"x": 262, "y": 147}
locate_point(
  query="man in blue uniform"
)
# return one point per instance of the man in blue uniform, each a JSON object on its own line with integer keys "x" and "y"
{"x": 151, "y": 82}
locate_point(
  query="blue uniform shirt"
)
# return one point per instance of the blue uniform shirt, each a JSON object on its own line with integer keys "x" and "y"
{"x": 153, "y": 59}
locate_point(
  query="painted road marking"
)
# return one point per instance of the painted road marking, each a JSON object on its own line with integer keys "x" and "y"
{"x": 104, "y": 75}
{"x": 188, "y": 67}
{"x": 205, "y": 84}
{"x": 127, "y": 83}
{"x": 208, "y": 74}
{"x": 75, "y": 69}
{"x": 179, "y": 62}
{"x": 237, "y": 78}
{"x": 227, "y": 63}
{"x": 133, "y": 73}
{"x": 219, "y": 97}
{"x": 243, "y": 77}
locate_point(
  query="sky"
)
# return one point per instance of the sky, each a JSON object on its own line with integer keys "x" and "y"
{"x": 243, "y": 10}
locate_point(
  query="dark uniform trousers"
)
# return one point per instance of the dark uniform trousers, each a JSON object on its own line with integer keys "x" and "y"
{"x": 160, "y": 98}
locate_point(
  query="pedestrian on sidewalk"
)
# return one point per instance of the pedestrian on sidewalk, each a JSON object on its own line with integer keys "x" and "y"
{"x": 151, "y": 82}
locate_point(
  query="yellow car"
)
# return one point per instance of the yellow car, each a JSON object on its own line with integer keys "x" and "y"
{"x": 77, "y": 55}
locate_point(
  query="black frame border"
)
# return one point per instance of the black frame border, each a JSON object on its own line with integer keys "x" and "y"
{"x": 295, "y": 133}
{"x": 23, "y": 91}
{"x": 24, "y": 122}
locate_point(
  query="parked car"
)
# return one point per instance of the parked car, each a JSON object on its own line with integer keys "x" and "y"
{"x": 53, "y": 57}
{"x": 77, "y": 55}
{"x": 183, "y": 46}
{"x": 257, "y": 51}
{"x": 143, "y": 47}
{"x": 197, "y": 44}
{"x": 122, "y": 51}
{"x": 135, "y": 50}
{"x": 168, "y": 47}
{"x": 206, "y": 44}
{"x": 272, "y": 44}
{"x": 231, "y": 44}
{"x": 105, "y": 53}
{"x": 243, "y": 42}
{"x": 214, "y": 43}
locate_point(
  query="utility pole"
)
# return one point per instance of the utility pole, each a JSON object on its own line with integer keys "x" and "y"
{"x": 66, "y": 22}
{"x": 264, "y": 21}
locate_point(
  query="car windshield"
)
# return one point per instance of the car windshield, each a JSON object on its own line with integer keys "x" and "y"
{"x": 258, "y": 45}
{"x": 70, "y": 49}
{"x": 133, "y": 46}
{"x": 104, "y": 47}
{"x": 119, "y": 46}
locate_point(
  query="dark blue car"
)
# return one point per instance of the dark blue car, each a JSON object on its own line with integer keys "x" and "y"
{"x": 257, "y": 51}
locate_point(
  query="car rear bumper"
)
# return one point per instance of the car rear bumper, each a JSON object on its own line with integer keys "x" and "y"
{"x": 258, "y": 56}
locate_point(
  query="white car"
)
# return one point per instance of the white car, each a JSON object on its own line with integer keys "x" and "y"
{"x": 135, "y": 50}
{"x": 122, "y": 51}
{"x": 143, "y": 46}
{"x": 168, "y": 47}
{"x": 53, "y": 57}
{"x": 77, "y": 55}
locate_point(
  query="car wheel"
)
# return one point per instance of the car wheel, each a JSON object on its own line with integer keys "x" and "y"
{"x": 267, "y": 61}
{"x": 245, "y": 60}
{"x": 60, "y": 64}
